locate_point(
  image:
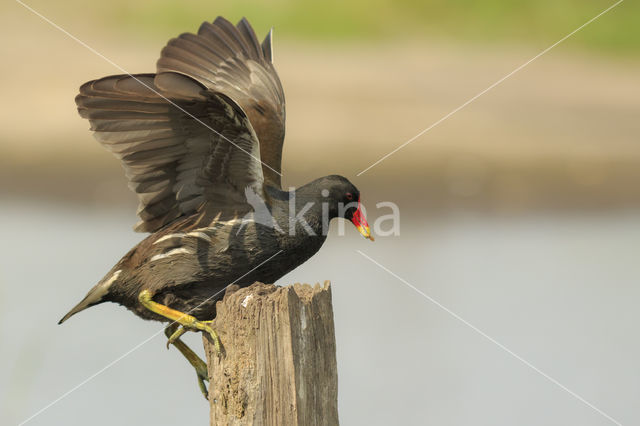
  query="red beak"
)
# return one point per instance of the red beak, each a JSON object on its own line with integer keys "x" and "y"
{"x": 360, "y": 222}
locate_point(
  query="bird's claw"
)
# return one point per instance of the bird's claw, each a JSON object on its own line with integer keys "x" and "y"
{"x": 203, "y": 387}
{"x": 217, "y": 344}
{"x": 174, "y": 334}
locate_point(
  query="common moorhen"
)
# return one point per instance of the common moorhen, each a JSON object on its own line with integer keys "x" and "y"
{"x": 201, "y": 143}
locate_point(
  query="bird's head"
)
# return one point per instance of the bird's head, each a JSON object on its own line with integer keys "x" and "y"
{"x": 342, "y": 199}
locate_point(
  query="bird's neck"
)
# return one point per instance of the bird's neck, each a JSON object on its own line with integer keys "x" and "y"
{"x": 299, "y": 211}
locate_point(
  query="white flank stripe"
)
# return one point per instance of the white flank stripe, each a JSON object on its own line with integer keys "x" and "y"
{"x": 201, "y": 235}
{"x": 180, "y": 250}
{"x": 169, "y": 237}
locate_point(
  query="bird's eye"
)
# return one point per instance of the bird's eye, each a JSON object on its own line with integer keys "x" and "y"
{"x": 349, "y": 196}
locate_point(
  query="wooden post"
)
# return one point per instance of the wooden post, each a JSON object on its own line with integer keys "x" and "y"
{"x": 279, "y": 362}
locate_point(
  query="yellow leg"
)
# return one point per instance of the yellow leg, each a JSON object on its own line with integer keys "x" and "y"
{"x": 196, "y": 362}
{"x": 187, "y": 321}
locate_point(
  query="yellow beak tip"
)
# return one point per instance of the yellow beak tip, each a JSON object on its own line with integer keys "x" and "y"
{"x": 366, "y": 232}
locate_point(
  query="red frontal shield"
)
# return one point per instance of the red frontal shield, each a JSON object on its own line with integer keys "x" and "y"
{"x": 360, "y": 222}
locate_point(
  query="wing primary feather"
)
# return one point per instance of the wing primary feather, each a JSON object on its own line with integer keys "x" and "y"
{"x": 233, "y": 34}
{"x": 267, "y": 47}
{"x": 250, "y": 38}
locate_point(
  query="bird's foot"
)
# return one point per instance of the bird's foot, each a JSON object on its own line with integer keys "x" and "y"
{"x": 187, "y": 321}
{"x": 173, "y": 332}
{"x": 203, "y": 326}
{"x": 217, "y": 343}
{"x": 203, "y": 386}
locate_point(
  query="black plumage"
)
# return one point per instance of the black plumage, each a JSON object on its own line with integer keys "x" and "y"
{"x": 201, "y": 144}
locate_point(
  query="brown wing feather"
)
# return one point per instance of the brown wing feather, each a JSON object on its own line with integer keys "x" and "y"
{"x": 229, "y": 59}
{"x": 174, "y": 162}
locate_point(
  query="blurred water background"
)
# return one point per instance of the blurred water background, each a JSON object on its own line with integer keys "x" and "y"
{"x": 520, "y": 213}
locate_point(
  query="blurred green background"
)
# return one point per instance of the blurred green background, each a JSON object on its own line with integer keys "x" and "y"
{"x": 495, "y": 21}
{"x": 520, "y": 212}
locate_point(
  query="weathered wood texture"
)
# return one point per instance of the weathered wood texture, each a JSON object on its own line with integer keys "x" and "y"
{"x": 279, "y": 362}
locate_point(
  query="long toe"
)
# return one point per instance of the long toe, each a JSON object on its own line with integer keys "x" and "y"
{"x": 201, "y": 383}
{"x": 217, "y": 344}
{"x": 175, "y": 336}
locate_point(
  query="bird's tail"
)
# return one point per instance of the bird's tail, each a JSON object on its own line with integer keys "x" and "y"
{"x": 84, "y": 304}
{"x": 95, "y": 296}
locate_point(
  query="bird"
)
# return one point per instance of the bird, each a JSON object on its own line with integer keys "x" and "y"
{"x": 200, "y": 141}
{"x": 260, "y": 213}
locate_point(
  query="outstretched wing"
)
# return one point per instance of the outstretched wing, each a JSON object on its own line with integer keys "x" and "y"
{"x": 181, "y": 145}
{"x": 229, "y": 59}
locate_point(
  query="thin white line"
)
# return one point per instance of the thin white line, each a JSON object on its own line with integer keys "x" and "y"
{"x": 491, "y": 87}
{"x": 103, "y": 369}
{"x": 142, "y": 83}
{"x": 494, "y": 341}
{"x": 88, "y": 379}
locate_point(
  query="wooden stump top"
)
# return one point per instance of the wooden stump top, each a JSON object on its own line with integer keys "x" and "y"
{"x": 279, "y": 363}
